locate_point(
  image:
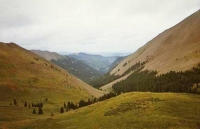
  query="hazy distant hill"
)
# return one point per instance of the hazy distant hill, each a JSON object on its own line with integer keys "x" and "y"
{"x": 116, "y": 62}
{"x": 72, "y": 65}
{"x": 97, "y": 62}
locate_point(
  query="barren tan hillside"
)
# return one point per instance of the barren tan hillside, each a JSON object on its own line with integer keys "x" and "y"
{"x": 177, "y": 48}
{"x": 24, "y": 74}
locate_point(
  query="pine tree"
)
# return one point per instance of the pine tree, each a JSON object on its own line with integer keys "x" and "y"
{"x": 65, "y": 106}
{"x": 34, "y": 112}
{"x": 15, "y": 102}
{"x": 40, "y": 111}
{"x": 61, "y": 110}
{"x": 25, "y": 104}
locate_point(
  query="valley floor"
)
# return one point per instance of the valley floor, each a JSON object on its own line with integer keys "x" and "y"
{"x": 136, "y": 110}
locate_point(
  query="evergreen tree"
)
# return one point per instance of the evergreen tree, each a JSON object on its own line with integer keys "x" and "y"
{"x": 25, "y": 104}
{"x": 15, "y": 102}
{"x": 34, "y": 112}
{"x": 65, "y": 106}
{"x": 61, "y": 110}
{"x": 40, "y": 111}
{"x": 41, "y": 105}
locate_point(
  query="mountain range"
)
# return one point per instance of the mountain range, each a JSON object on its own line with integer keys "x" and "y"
{"x": 70, "y": 64}
{"x": 97, "y": 62}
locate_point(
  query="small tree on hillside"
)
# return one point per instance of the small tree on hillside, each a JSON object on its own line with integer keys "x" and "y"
{"x": 40, "y": 111}
{"x": 61, "y": 110}
{"x": 15, "y": 102}
{"x": 25, "y": 104}
{"x": 34, "y": 112}
{"x": 65, "y": 106}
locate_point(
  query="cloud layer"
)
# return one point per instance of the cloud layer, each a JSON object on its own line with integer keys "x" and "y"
{"x": 88, "y": 25}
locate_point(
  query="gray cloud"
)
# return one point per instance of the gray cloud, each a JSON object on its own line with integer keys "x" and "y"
{"x": 88, "y": 25}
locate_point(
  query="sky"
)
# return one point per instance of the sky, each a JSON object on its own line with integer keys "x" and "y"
{"x": 91, "y": 26}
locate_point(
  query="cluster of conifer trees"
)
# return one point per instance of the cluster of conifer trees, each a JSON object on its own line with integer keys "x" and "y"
{"x": 82, "y": 103}
{"x": 38, "y": 105}
{"x": 187, "y": 82}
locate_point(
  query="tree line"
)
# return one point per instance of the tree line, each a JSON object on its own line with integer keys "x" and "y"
{"x": 82, "y": 103}
{"x": 187, "y": 82}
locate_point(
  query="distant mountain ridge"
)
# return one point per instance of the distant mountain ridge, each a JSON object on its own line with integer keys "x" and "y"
{"x": 98, "y": 62}
{"x": 116, "y": 62}
{"x": 72, "y": 65}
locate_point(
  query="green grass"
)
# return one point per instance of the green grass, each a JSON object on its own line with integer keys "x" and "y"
{"x": 131, "y": 110}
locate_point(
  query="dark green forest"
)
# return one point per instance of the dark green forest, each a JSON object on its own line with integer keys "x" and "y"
{"x": 183, "y": 82}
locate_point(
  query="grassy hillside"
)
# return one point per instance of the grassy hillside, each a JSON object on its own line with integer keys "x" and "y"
{"x": 72, "y": 65}
{"x": 128, "y": 111}
{"x": 26, "y": 76}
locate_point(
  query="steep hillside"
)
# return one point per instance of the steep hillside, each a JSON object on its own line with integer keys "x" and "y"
{"x": 128, "y": 111}
{"x": 72, "y": 65}
{"x": 116, "y": 62}
{"x": 177, "y": 49}
{"x": 26, "y": 76}
{"x": 97, "y": 62}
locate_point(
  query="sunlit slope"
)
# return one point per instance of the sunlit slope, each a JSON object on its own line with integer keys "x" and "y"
{"x": 177, "y": 49}
{"x": 24, "y": 74}
{"x": 128, "y": 111}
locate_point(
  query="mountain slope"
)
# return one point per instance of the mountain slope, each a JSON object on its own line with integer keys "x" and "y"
{"x": 97, "y": 62}
{"x": 72, "y": 65}
{"x": 177, "y": 48}
{"x": 116, "y": 62}
{"x": 25, "y": 75}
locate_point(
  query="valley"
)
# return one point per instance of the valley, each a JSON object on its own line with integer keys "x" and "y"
{"x": 155, "y": 87}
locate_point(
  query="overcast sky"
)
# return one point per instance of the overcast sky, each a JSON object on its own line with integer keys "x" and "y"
{"x": 89, "y": 25}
